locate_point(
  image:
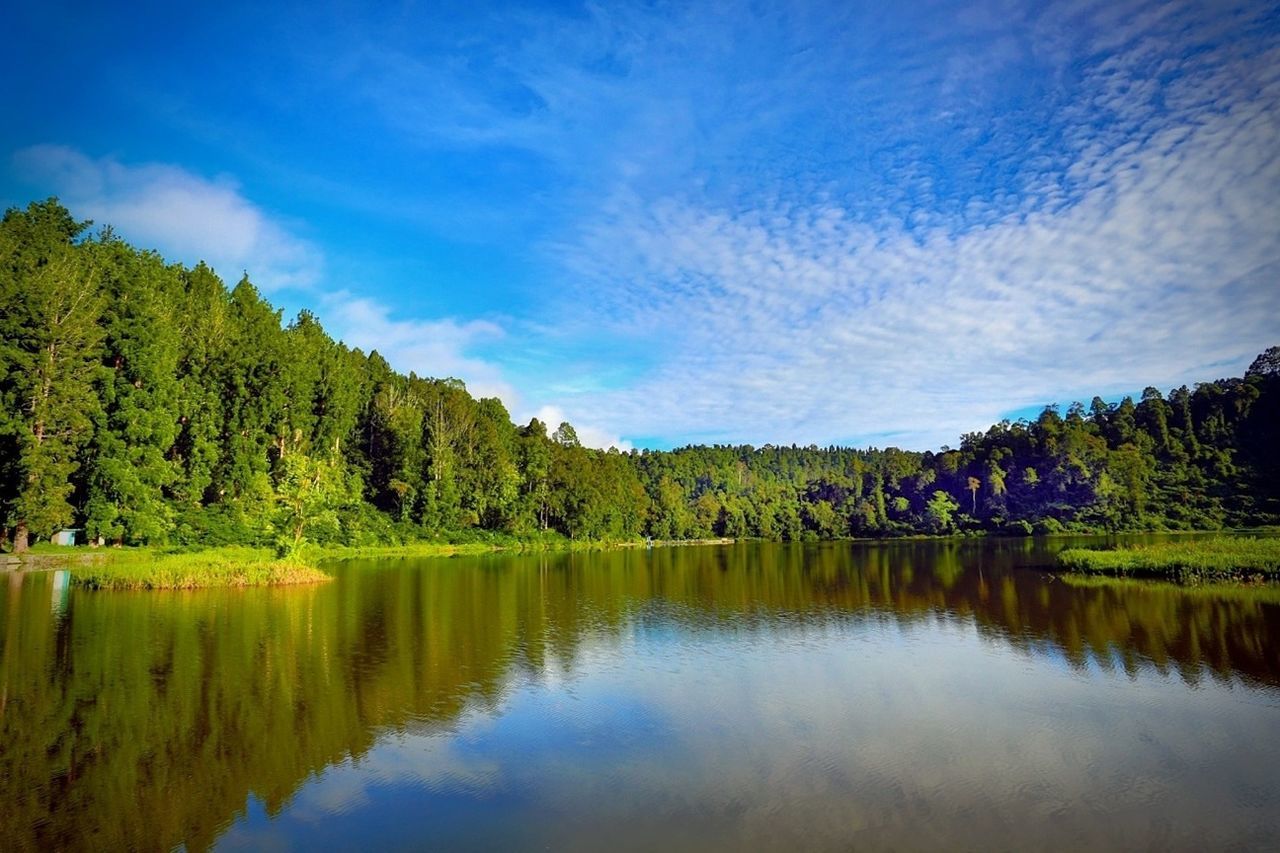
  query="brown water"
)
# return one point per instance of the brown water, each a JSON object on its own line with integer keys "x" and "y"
{"x": 912, "y": 695}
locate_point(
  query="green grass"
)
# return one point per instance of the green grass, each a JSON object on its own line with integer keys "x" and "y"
{"x": 1190, "y": 560}
{"x": 224, "y": 567}
{"x": 1259, "y": 593}
{"x": 40, "y": 549}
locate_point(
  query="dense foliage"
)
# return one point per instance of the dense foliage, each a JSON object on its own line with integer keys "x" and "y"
{"x": 148, "y": 403}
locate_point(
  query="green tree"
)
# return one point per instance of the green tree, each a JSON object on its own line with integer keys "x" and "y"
{"x": 535, "y": 462}
{"x": 566, "y": 435}
{"x": 255, "y": 393}
{"x": 308, "y": 494}
{"x": 940, "y": 512}
{"x": 137, "y": 422}
{"x": 56, "y": 360}
{"x": 202, "y": 314}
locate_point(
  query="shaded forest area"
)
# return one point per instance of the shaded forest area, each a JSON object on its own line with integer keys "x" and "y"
{"x": 146, "y": 403}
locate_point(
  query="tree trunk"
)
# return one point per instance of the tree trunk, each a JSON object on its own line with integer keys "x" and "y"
{"x": 21, "y": 539}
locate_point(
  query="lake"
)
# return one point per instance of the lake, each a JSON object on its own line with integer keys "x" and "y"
{"x": 952, "y": 694}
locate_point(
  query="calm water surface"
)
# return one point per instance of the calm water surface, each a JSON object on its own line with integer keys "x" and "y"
{"x": 836, "y": 696}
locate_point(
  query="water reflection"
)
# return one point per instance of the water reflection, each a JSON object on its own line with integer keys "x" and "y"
{"x": 152, "y": 720}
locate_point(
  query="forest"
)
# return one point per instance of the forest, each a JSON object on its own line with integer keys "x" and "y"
{"x": 143, "y": 402}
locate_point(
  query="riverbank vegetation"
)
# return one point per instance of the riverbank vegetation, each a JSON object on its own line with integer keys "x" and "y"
{"x": 1215, "y": 558}
{"x": 146, "y": 403}
{"x": 214, "y": 567}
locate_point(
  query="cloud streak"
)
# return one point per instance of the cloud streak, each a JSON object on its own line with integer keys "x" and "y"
{"x": 1146, "y": 252}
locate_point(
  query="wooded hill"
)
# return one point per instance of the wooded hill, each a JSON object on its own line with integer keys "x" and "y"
{"x": 145, "y": 402}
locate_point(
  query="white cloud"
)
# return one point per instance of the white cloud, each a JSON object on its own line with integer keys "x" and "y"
{"x": 184, "y": 215}
{"x": 434, "y": 347}
{"x": 1152, "y": 260}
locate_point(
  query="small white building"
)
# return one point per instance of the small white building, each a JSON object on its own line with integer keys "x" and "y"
{"x": 66, "y": 536}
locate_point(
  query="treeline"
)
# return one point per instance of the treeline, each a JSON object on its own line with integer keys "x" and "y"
{"x": 145, "y": 402}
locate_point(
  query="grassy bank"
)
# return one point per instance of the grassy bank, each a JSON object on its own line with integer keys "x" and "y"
{"x": 1207, "y": 559}
{"x": 216, "y": 567}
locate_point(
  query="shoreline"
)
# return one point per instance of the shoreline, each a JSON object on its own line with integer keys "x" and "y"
{"x": 241, "y": 566}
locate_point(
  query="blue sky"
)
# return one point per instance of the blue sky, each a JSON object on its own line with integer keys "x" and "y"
{"x": 714, "y": 222}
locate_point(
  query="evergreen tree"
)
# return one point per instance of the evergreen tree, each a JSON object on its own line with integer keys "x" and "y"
{"x": 138, "y": 390}
{"x": 55, "y": 367}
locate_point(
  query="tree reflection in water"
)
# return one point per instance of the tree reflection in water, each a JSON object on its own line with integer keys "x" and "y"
{"x": 146, "y": 720}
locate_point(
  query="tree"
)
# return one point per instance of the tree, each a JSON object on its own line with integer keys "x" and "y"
{"x": 395, "y": 447}
{"x": 535, "y": 461}
{"x": 202, "y": 314}
{"x": 822, "y": 519}
{"x": 672, "y": 518}
{"x": 56, "y": 364}
{"x": 255, "y": 394}
{"x": 1153, "y": 416}
{"x": 1266, "y": 364}
{"x": 939, "y": 512}
{"x": 566, "y": 435}
{"x": 490, "y": 475}
{"x": 47, "y": 315}
{"x": 308, "y": 493}
{"x": 137, "y": 422}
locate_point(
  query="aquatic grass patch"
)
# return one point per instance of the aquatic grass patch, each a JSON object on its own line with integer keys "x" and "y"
{"x": 219, "y": 567}
{"x": 1220, "y": 557}
{"x": 1263, "y": 592}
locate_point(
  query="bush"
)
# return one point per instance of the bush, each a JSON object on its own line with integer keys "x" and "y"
{"x": 1047, "y": 526}
{"x": 1021, "y": 527}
